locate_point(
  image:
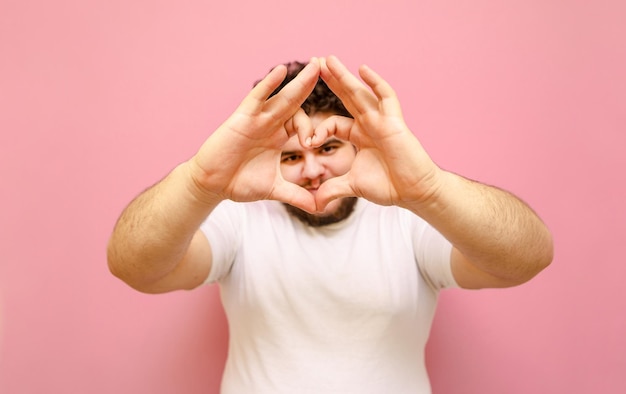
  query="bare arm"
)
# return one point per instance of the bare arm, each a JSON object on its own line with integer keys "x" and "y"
{"x": 497, "y": 240}
{"x": 156, "y": 245}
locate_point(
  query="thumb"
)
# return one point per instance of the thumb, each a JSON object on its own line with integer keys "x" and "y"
{"x": 292, "y": 194}
{"x": 333, "y": 189}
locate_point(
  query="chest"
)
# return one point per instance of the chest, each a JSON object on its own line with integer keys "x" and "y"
{"x": 366, "y": 273}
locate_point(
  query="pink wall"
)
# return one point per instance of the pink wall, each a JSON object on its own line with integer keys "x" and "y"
{"x": 100, "y": 99}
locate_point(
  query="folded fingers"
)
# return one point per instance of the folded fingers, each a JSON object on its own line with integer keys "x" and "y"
{"x": 300, "y": 124}
{"x": 337, "y": 126}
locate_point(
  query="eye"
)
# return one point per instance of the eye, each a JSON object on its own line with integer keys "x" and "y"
{"x": 289, "y": 158}
{"x": 328, "y": 149}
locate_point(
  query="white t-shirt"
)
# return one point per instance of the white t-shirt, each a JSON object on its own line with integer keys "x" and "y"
{"x": 344, "y": 308}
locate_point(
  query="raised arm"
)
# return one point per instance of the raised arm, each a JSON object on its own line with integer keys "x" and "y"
{"x": 497, "y": 239}
{"x": 156, "y": 245}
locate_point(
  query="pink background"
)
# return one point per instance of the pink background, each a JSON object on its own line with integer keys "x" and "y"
{"x": 99, "y": 99}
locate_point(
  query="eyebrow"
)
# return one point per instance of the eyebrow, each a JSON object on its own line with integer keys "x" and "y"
{"x": 288, "y": 153}
{"x": 333, "y": 140}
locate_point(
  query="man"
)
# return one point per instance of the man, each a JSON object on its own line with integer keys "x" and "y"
{"x": 330, "y": 233}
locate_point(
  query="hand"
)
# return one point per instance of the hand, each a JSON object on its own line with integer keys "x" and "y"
{"x": 391, "y": 166}
{"x": 240, "y": 161}
{"x": 497, "y": 239}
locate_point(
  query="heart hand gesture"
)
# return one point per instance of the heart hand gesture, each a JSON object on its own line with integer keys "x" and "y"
{"x": 391, "y": 167}
{"x": 240, "y": 160}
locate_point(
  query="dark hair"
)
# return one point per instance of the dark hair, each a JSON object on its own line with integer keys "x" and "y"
{"x": 321, "y": 99}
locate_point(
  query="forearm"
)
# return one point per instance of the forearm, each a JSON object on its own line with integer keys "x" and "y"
{"x": 494, "y": 230}
{"x": 153, "y": 233}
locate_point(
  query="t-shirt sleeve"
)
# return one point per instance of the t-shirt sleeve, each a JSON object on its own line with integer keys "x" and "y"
{"x": 220, "y": 229}
{"x": 433, "y": 252}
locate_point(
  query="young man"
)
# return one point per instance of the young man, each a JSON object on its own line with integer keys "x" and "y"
{"x": 330, "y": 232}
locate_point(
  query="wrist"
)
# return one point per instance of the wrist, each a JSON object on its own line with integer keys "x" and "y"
{"x": 194, "y": 179}
{"x": 429, "y": 195}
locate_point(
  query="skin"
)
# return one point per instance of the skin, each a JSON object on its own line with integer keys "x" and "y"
{"x": 309, "y": 167}
{"x": 497, "y": 239}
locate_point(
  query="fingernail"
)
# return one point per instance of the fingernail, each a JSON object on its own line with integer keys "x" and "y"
{"x": 308, "y": 141}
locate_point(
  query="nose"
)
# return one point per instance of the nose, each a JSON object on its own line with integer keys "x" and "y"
{"x": 313, "y": 167}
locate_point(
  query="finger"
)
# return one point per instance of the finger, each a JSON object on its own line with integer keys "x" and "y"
{"x": 295, "y": 195}
{"x": 300, "y": 124}
{"x": 381, "y": 88}
{"x": 261, "y": 91}
{"x": 334, "y": 85}
{"x": 333, "y": 189}
{"x": 329, "y": 78}
{"x": 296, "y": 91}
{"x": 337, "y": 126}
{"x": 352, "y": 92}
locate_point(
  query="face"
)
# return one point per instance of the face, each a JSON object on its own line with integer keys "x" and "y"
{"x": 310, "y": 167}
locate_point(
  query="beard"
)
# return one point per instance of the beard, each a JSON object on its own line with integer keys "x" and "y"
{"x": 342, "y": 212}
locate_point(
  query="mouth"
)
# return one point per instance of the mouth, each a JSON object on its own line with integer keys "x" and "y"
{"x": 312, "y": 187}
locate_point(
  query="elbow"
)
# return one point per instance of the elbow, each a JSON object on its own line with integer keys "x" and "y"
{"x": 542, "y": 258}
{"x": 546, "y": 258}
{"x": 134, "y": 274}
{"x": 132, "y": 281}
{"x": 121, "y": 269}
{"x": 113, "y": 261}
{"x": 116, "y": 269}
{"x": 117, "y": 266}
{"x": 545, "y": 252}
{"x": 529, "y": 267}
